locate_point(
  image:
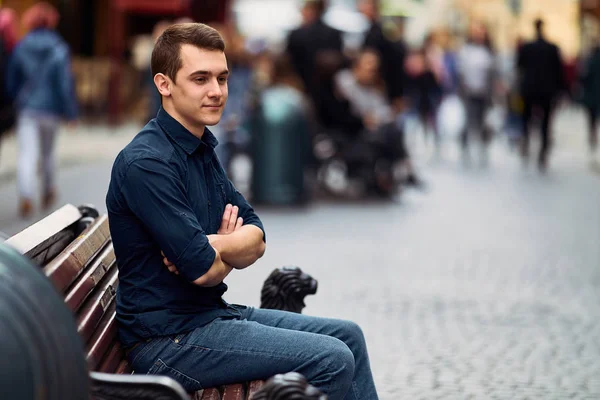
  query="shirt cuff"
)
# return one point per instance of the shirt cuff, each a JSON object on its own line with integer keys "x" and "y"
{"x": 196, "y": 259}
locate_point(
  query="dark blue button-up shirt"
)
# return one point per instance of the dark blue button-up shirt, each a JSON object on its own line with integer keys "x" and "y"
{"x": 167, "y": 192}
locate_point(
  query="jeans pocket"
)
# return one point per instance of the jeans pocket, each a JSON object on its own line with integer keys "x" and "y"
{"x": 188, "y": 383}
{"x": 138, "y": 354}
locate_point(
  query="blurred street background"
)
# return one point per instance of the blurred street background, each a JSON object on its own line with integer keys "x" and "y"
{"x": 434, "y": 166}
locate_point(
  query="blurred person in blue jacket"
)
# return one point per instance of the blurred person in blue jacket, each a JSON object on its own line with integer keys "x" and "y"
{"x": 40, "y": 80}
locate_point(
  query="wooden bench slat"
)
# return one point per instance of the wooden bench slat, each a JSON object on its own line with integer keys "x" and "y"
{"x": 66, "y": 267}
{"x": 124, "y": 368}
{"x": 254, "y": 387}
{"x": 234, "y": 392}
{"x": 197, "y": 395}
{"x": 211, "y": 394}
{"x": 35, "y": 239}
{"x": 113, "y": 358}
{"x": 90, "y": 278}
{"x": 96, "y": 306}
{"x": 106, "y": 334}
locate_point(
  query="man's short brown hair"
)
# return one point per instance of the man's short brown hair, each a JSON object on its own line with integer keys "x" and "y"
{"x": 166, "y": 56}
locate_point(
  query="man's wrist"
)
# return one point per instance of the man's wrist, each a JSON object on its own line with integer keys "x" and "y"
{"x": 217, "y": 242}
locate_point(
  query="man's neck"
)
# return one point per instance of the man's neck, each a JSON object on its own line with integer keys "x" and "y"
{"x": 196, "y": 130}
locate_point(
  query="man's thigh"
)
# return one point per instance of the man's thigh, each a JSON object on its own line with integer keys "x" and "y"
{"x": 229, "y": 351}
{"x": 337, "y": 328}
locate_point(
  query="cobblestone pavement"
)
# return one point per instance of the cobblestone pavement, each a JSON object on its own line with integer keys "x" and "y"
{"x": 486, "y": 286}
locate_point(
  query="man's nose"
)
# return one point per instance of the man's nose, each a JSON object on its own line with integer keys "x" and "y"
{"x": 215, "y": 89}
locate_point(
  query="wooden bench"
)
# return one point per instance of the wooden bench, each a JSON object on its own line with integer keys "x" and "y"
{"x": 74, "y": 248}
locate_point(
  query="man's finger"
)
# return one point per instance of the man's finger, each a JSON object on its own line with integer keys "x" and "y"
{"x": 167, "y": 262}
{"x": 173, "y": 269}
{"x": 233, "y": 218}
{"x": 226, "y": 217}
{"x": 239, "y": 223}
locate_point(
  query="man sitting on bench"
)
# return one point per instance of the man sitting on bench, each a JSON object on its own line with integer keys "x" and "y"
{"x": 179, "y": 227}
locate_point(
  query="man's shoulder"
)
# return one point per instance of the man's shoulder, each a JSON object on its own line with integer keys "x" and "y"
{"x": 327, "y": 31}
{"x": 150, "y": 147}
{"x": 150, "y": 143}
{"x": 296, "y": 33}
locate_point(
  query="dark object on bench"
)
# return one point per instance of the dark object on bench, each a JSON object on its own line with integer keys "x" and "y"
{"x": 42, "y": 355}
{"x": 43, "y": 240}
{"x": 290, "y": 386}
{"x": 84, "y": 271}
{"x": 286, "y": 288}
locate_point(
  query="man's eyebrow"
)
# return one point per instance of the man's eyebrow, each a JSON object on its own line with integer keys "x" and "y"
{"x": 200, "y": 72}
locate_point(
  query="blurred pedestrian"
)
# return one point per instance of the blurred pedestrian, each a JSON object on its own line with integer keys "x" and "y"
{"x": 449, "y": 81}
{"x": 392, "y": 52}
{"x": 281, "y": 132}
{"x": 542, "y": 80}
{"x": 308, "y": 42}
{"x": 476, "y": 66}
{"x": 363, "y": 87}
{"x": 424, "y": 84}
{"x": 8, "y": 40}
{"x": 590, "y": 83}
{"x": 40, "y": 81}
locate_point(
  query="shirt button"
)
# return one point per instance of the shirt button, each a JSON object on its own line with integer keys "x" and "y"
{"x": 176, "y": 340}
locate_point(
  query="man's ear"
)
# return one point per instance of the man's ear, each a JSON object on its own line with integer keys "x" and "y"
{"x": 163, "y": 84}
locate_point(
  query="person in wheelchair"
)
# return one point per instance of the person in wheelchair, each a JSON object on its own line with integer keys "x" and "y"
{"x": 364, "y": 90}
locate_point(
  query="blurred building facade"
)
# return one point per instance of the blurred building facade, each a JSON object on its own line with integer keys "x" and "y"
{"x": 100, "y": 34}
{"x": 507, "y": 20}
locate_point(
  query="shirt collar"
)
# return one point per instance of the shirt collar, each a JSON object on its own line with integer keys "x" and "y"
{"x": 184, "y": 138}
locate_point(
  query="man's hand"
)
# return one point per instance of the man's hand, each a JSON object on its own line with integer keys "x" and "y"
{"x": 230, "y": 222}
{"x": 171, "y": 267}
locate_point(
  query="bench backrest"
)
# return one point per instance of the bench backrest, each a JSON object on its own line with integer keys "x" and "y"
{"x": 85, "y": 272}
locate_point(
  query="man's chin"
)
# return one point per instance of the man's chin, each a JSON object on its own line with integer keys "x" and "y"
{"x": 212, "y": 121}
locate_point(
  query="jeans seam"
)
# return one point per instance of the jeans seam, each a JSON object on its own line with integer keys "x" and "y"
{"x": 274, "y": 355}
{"x": 174, "y": 370}
{"x": 332, "y": 380}
{"x": 355, "y": 389}
{"x": 147, "y": 347}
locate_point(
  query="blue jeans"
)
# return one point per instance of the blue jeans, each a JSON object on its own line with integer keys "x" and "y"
{"x": 330, "y": 353}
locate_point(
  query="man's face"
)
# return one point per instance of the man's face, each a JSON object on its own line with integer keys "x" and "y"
{"x": 199, "y": 92}
{"x": 368, "y": 8}
{"x": 478, "y": 33}
{"x": 367, "y": 68}
{"x": 309, "y": 14}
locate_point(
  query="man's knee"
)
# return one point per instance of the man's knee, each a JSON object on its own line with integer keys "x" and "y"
{"x": 331, "y": 368}
{"x": 339, "y": 360}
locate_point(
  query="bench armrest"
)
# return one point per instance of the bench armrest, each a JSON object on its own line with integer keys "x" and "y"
{"x": 135, "y": 387}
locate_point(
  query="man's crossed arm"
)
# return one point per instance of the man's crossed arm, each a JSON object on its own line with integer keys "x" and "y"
{"x": 236, "y": 246}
